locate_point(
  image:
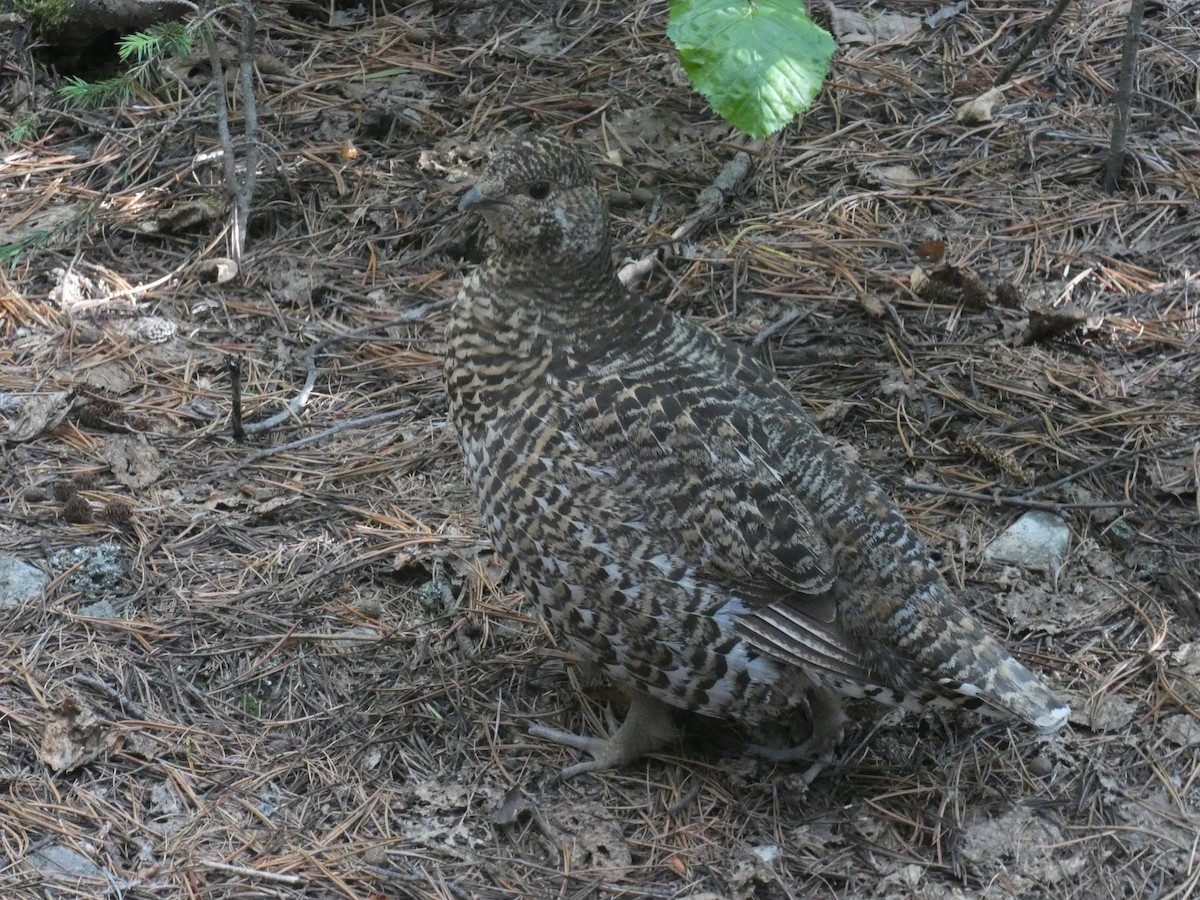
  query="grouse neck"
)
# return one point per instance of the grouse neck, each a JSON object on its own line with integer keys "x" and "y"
{"x": 556, "y": 296}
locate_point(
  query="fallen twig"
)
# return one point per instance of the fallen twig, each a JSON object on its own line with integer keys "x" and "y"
{"x": 277, "y": 877}
{"x": 1023, "y": 502}
{"x": 317, "y": 435}
{"x": 310, "y": 360}
{"x": 234, "y": 367}
{"x": 1033, "y": 41}
{"x": 711, "y": 199}
{"x": 128, "y": 704}
{"x": 1115, "y": 458}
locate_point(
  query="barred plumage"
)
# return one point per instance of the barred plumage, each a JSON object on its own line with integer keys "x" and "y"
{"x": 670, "y": 507}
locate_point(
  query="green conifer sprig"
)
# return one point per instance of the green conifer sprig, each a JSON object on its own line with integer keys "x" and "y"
{"x": 145, "y": 49}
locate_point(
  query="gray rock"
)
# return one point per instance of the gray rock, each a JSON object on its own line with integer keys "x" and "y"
{"x": 19, "y": 581}
{"x": 1037, "y": 540}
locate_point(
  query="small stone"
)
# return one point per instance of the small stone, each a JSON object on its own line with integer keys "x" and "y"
{"x": 19, "y": 581}
{"x": 1040, "y": 765}
{"x": 1037, "y": 540}
{"x": 101, "y": 609}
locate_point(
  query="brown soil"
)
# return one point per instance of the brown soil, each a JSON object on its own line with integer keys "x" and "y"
{"x": 291, "y": 667}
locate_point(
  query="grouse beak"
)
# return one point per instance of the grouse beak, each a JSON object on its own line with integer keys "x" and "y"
{"x": 474, "y": 197}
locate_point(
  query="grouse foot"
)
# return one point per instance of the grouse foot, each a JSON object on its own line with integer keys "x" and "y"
{"x": 827, "y": 721}
{"x": 647, "y": 727}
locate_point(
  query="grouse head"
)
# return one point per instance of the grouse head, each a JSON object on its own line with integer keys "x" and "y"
{"x": 539, "y": 198}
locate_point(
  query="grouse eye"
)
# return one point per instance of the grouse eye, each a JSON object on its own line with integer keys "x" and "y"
{"x": 539, "y": 190}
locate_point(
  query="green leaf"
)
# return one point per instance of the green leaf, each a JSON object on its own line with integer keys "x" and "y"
{"x": 758, "y": 62}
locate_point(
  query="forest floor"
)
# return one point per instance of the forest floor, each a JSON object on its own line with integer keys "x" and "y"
{"x": 292, "y": 666}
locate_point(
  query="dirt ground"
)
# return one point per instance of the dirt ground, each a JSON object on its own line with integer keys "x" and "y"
{"x": 292, "y": 667}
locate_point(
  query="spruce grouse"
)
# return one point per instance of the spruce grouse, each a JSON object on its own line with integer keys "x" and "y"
{"x": 669, "y": 506}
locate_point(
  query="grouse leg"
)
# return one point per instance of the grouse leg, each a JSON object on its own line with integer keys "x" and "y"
{"x": 646, "y": 728}
{"x": 827, "y": 720}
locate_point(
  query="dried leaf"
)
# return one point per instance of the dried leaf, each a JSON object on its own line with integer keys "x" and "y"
{"x": 109, "y": 377}
{"x": 133, "y": 461}
{"x": 75, "y": 736}
{"x": 897, "y": 175}
{"x": 852, "y": 27}
{"x": 946, "y": 12}
{"x": 511, "y": 806}
{"x": 1178, "y": 477}
{"x": 981, "y": 109}
{"x": 592, "y": 839}
{"x": 38, "y": 414}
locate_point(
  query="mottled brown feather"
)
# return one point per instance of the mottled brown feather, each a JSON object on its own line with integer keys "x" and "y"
{"x": 668, "y": 504}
